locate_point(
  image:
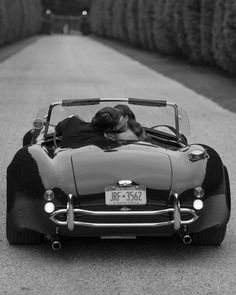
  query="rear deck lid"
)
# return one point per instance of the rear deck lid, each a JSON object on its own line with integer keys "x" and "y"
{"x": 94, "y": 168}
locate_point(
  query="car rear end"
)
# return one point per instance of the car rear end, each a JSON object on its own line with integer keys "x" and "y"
{"x": 121, "y": 191}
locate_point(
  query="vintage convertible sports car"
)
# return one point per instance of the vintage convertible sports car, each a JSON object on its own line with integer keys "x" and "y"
{"x": 160, "y": 187}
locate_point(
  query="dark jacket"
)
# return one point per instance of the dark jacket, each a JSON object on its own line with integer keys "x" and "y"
{"x": 76, "y": 133}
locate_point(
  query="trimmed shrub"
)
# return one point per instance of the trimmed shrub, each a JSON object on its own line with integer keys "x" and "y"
{"x": 150, "y": 24}
{"x": 169, "y": 11}
{"x": 3, "y": 22}
{"x": 34, "y": 20}
{"x": 96, "y": 18}
{"x": 163, "y": 29}
{"x": 207, "y": 17}
{"x": 19, "y": 19}
{"x": 200, "y": 30}
{"x": 142, "y": 21}
{"x": 93, "y": 16}
{"x": 221, "y": 52}
{"x": 230, "y": 31}
{"x": 131, "y": 16}
{"x": 31, "y": 21}
{"x": 119, "y": 27}
{"x": 158, "y": 26}
{"x": 192, "y": 20}
{"x": 38, "y": 15}
{"x": 108, "y": 17}
{"x": 25, "y": 19}
{"x": 180, "y": 31}
{"x": 145, "y": 23}
{"x": 102, "y": 23}
{"x": 117, "y": 16}
{"x": 14, "y": 20}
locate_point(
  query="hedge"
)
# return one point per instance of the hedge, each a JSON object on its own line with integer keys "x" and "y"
{"x": 221, "y": 53}
{"x": 96, "y": 15}
{"x": 192, "y": 21}
{"x": 145, "y": 23}
{"x": 203, "y": 31}
{"x": 132, "y": 22}
{"x": 19, "y": 19}
{"x": 119, "y": 27}
{"x": 3, "y": 22}
{"x": 230, "y": 31}
{"x": 180, "y": 32}
{"x": 14, "y": 20}
{"x": 170, "y": 29}
{"x": 207, "y": 18}
{"x": 107, "y": 17}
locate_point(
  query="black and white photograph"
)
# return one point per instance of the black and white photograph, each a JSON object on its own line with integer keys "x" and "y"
{"x": 117, "y": 154}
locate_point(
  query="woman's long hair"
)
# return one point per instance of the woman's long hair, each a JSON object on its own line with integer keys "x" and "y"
{"x": 134, "y": 126}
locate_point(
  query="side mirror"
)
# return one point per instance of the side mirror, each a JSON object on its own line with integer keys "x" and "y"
{"x": 38, "y": 124}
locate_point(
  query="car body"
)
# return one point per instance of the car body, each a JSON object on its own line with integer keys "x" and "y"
{"x": 130, "y": 189}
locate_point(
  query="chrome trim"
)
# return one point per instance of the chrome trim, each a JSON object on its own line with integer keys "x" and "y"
{"x": 176, "y": 213}
{"x": 99, "y": 225}
{"x": 70, "y": 213}
{"x": 197, "y": 155}
{"x": 115, "y": 99}
{"x": 176, "y": 221}
{"x": 125, "y": 182}
{"x": 176, "y": 110}
{"x": 56, "y": 246}
{"x": 55, "y": 242}
{"x": 187, "y": 240}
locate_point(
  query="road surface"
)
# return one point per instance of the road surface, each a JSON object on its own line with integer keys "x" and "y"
{"x": 54, "y": 67}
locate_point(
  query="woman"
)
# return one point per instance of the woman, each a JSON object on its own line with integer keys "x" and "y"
{"x": 128, "y": 128}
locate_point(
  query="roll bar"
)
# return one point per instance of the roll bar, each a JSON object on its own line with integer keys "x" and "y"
{"x": 134, "y": 101}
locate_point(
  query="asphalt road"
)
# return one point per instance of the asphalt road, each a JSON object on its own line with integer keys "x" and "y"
{"x": 54, "y": 67}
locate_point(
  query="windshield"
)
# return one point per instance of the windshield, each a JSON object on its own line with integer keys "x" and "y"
{"x": 147, "y": 116}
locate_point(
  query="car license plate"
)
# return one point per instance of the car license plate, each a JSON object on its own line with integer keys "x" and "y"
{"x": 129, "y": 195}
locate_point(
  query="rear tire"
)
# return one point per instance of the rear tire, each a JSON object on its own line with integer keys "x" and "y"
{"x": 212, "y": 236}
{"x": 24, "y": 237}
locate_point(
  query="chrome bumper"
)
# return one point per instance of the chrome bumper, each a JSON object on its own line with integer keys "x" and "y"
{"x": 70, "y": 221}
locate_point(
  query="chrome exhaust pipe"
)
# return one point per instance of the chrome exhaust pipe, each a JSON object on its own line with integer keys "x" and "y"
{"x": 55, "y": 243}
{"x": 187, "y": 239}
{"x": 56, "y": 246}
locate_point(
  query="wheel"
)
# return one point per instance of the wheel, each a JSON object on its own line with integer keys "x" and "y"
{"x": 24, "y": 237}
{"x": 212, "y": 236}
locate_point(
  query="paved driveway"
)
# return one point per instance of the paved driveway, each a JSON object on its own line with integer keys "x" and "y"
{"x": 56, "y": 67}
